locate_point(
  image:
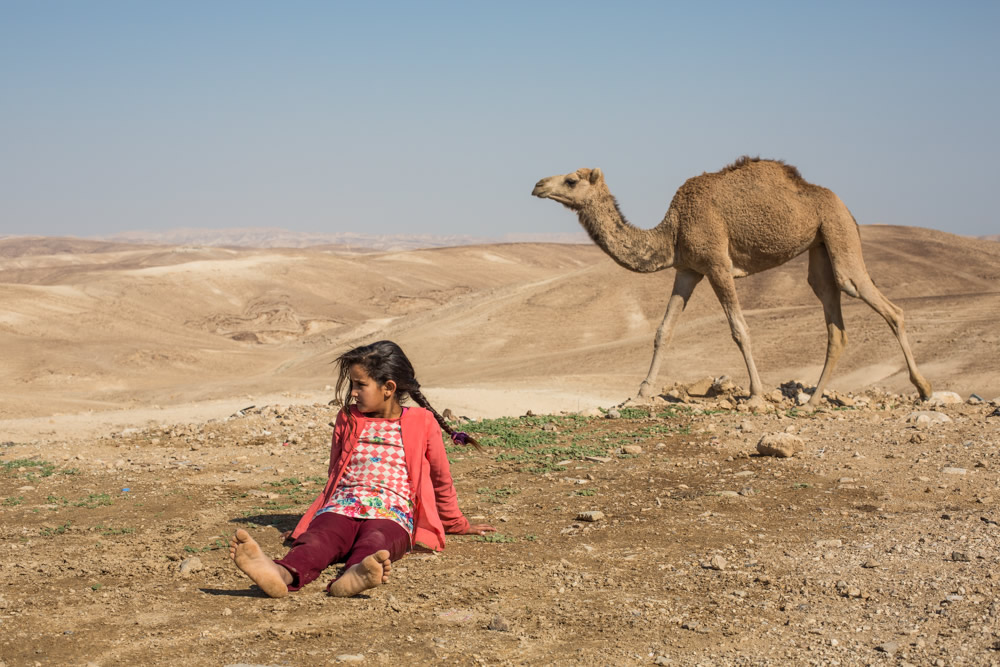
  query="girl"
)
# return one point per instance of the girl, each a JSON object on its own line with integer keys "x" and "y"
{"x": 389, "y": 484}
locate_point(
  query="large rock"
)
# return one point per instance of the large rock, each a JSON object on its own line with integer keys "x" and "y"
{"x": 781, "y": 445}
{"x": 939, "y": 398}
{"x": 701, "y": 388}
{"x": 927, "y": 417}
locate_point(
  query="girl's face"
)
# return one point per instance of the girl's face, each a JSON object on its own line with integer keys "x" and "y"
{"x": 373, "y": 399}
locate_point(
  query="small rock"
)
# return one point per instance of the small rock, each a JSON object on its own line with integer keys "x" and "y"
{"x": 871, "y": 564}
{"x": 598, "y": 459}
{"x": 613, "y": 414}
{"x": 888, "y": 647}
{"x": 802, "y": 398}
{"x": 959, "y": 557}
{"x": 24, "y": 489}
{"x": 189, "y": 565}
{"x": 781, "y": 445}
{"x": 499, "y": 624}
{"x": 953, "y": 471}
{"x": 829, "y": 544}
{"x": 550, "y": 427}
{"x": 632, "y": 449}
{"x": 717, "y": 563}
{"x": 350, "y": 657}
{"x": 227, "y": 612}
{"x": 593, "y": 515}
{"x": 747, "y": 427}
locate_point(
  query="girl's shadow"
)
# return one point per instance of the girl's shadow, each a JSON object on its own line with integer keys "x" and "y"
{"x": 283, "y": 522}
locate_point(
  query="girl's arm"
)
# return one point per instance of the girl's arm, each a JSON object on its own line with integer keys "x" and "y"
{"x": 337, "y": 443}
{"x": 444, "y": 489}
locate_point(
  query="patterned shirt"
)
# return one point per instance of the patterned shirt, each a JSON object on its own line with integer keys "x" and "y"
{"x": 375, "y": 484}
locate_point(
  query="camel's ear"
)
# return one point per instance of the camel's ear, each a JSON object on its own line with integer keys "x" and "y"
{"x": 596, "y": 176}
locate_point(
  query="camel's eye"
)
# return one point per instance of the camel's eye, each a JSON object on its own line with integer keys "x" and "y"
{"x": 571, "y": 181}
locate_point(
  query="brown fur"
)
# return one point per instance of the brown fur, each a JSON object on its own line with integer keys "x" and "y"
{"x": 748, "y": 217}
{"x": 793, "y": 172}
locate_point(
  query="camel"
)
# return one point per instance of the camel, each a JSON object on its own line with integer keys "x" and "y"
{"x": 751, "y": 216}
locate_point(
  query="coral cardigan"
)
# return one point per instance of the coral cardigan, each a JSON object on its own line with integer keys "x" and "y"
{"x": 435, "y": 503}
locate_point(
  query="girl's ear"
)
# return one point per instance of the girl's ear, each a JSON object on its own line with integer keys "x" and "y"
{"x": 389, "y": 388}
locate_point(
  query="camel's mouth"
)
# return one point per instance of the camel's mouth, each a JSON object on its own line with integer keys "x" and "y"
{"x": 543, "y": 193}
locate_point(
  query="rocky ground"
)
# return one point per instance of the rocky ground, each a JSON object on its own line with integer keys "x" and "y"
{"x": 647, "y": 535}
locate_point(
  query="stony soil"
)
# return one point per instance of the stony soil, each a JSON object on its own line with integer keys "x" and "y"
{"x": 876, "y": 544}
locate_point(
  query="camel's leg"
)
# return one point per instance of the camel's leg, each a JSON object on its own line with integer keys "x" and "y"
{"x": 725, "y": 290}
{"x": 824, "y": 285}
{"x": 893, "y": 314}
{"x": 852, "y": 277}
{"x": 684, "y": 284}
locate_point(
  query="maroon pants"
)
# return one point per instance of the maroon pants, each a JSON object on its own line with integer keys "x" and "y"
{"x": 332, "y": 538}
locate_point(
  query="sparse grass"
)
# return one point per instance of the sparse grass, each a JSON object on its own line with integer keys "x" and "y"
{"x": 58, "y": 530}
{"x": 12, "y": 501}
{"x": 32, "y": 467}
{"x": 523, "y": 440}
{"x": 103, "y": 530}
{"x": 497, "y": 496}
{"x": 214, "y": 546}
{"x": 584, "y": 492}
{"x": 634, "y": 413}
{"x": 90, "y": 502}
{"x": 544, "y": 468}
{"x": 94, "y": 500}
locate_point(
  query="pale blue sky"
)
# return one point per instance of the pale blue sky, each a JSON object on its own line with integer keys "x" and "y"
{"x": 438, "y": 117}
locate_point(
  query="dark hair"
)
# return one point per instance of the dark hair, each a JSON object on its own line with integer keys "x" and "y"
{"x": 384, "y": 361}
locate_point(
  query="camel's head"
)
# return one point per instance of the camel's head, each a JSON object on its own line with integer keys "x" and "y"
{"x": 572, "y": 190}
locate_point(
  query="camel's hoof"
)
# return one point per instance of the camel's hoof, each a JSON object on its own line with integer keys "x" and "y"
{"x": 645, "y": 394}
{"x": 756, "y": 402}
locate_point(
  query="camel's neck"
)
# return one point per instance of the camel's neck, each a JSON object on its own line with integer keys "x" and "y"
{"x": 642, "y": 250}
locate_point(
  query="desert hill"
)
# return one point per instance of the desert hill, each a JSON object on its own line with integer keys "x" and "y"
{"x": 492, "y": 329}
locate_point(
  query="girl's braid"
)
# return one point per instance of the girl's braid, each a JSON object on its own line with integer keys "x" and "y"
{"x": 458, "y": 437}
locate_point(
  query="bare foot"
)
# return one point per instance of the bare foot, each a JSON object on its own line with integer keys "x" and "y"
{"x": 369, "y": 573}
{"x": 246, "y": 553}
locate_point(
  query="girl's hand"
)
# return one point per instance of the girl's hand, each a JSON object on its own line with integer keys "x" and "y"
{"x": 479, "y": 529}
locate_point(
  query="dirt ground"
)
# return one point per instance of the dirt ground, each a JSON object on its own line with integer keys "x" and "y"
{"x": 876, "y": 544}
